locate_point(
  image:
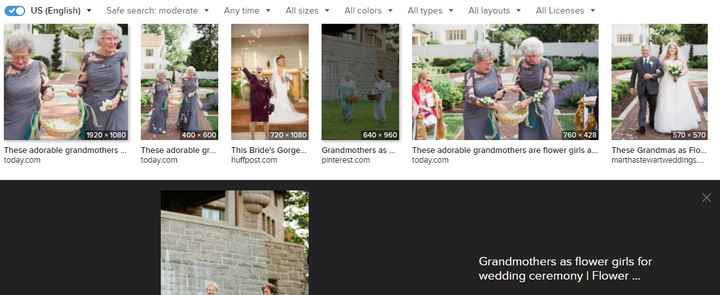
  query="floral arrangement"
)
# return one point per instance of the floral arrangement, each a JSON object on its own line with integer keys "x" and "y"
{"x": 486, "y": 100}
{"x": 675, "y": 71}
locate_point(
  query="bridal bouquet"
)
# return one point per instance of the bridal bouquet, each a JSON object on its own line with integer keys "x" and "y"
{"x": 675, "y": 71}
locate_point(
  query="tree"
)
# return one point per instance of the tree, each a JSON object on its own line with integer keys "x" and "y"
{"x": 204, "y": 51}
{"x": 551, "y": 32}
{"x": 663, "y": 34}
{"x": 175, "y": 54}
{"x": 694, "y": 34}
{"x": 297, "y": 217}
{"x": 56, "y": 56}
{"x": 392, "y": 37}
{"x": 501, "y": 54}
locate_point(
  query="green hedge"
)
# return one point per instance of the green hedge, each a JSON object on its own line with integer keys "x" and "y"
{"x": 698, "y": 62}
{"x": 145, "y": 100}
{"x": 622, "y": 63}
{"x": 43, "y": 59}
{"x": 571, "y": 64}
{"x": 147, "y": 82}
{"x": 212, "y": 83}
{"x": 620, "y": 90}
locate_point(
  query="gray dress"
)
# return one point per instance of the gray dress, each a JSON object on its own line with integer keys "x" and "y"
{"x": 22, "y": 99}
{"x": 160, "y": 104}
{"x": 531, "y": 78}
{"x": 190, "y": 108}
{"x": 477, "y": 122}
{"x": 105, "y": 79}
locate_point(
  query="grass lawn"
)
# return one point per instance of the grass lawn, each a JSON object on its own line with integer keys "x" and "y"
{"x": 334, "y": 128}
{"x": 213, "y": 119}
{"x": 567, "y": 121}
{"x": 453, "y": 123}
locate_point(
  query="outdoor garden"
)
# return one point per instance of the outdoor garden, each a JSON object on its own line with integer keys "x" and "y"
{"x": 574, "y": 76}
{"x": 184, "y": 46}
{"x": 624, "y": 105}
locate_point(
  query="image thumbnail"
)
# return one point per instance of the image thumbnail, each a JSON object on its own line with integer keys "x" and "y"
{"x": 66, "y": 81}
{"x": 505, "y": 81}
{"x": 660, "y": 81}
{"x": 179, "y": 81}
{"x": 360, "y": 81}
{"x": 234, "y": 242}
{"x": 270, "y": 81}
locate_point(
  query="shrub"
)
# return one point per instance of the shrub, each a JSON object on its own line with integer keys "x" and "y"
{"x": 146, "y": 82}
{"x": 620, "y": 90}
{"x": 236, "y": 89}
{"x": 446, "y": 89}
{"x": 443, "y": 62}
{"x": 573, "y": 92}
{"x": 589, "y": 73}
{"x": 42, "y": 59}
{"x": 698, "y": 62}
{"x": 145, "y": 100}
{"x": 564, "y": 83}
{"x": 211, "y": 83}
{"x": 460, "y": 66}
{"x": 571, "y": 64}
{"x": 624, "y": 63}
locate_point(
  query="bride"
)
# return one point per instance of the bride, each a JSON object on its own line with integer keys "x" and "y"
{"x": 675, "y": 109}
{"x": 284, "y": 112}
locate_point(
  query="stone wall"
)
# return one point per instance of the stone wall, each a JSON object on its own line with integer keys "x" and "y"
{"x": 361, "y": 60}
{"x": 194, "y": 251}
{"x": 288, "y": 265}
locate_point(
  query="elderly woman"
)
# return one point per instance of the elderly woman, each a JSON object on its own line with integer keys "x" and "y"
{"x": 425, "y": 111}
{"x": 345, "y": 89}
{"x": 161, "y": 91}
{"x": 535, "y": 74}
{"x": 383, "y": 89}
{"x": 188, "y": 119}
{"x": 26, "y": 84}
{"x": 103, "y": 80}
{"x": 482, "y": 80}
{"x": 212, "y": 288}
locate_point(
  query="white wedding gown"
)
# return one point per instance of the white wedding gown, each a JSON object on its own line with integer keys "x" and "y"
{"x": 675, "y": 110}
{"x": 284, "y": 112}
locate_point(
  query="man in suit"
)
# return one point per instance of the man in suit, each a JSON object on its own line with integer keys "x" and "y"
{"x": 648, "y": 69}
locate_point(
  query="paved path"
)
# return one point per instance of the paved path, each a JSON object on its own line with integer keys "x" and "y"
{"x": 171, "y": 120}
{"x": 628, "y": 128}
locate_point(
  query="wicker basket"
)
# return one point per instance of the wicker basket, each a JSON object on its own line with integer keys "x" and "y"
{"x": 67, "y": 133}
{"x": 354, "y": 98}
{"x": 68, "y": 113}
{"x": 513, "y": 117}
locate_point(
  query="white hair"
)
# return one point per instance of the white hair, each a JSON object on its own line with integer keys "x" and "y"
{"x": 18, "y": 41}
{"x": 212, "y": 284}
{"x": 644, "y": 46}
{"x": 532, "y": 45}
{"x": 482, "y": 52}
{"x": 190, "y": 69}
{"x": 101, "y": 29}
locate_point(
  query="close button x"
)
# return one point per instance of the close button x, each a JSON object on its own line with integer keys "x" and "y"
{"x": 706, "y": 197}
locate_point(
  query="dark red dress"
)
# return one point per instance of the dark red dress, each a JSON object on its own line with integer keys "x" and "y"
{"x": 260, "y": 94}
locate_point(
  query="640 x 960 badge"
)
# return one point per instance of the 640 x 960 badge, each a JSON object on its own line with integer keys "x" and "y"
{"x": 379, "y": 135}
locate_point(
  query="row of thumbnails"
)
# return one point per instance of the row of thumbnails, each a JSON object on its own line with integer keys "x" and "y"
{"x": 469, "y": 82}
